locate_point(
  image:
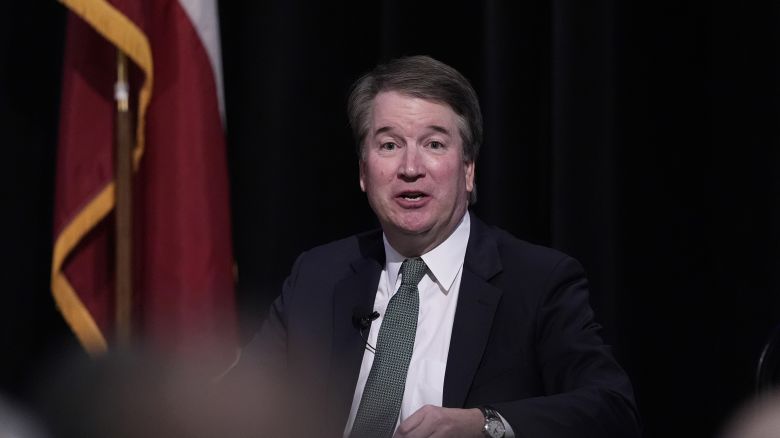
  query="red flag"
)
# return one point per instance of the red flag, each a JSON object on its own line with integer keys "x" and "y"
{"x": 182, "y": 281}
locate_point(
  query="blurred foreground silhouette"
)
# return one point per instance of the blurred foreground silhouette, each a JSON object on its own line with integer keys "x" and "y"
{"x": 133, "y": 394}
{"x": 14, "y": 423}
{"x": 759, "y": 418}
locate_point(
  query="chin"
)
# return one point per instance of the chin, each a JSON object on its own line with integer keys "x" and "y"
{"x": 412, "y": 223}
{"x": 413, "y": 229}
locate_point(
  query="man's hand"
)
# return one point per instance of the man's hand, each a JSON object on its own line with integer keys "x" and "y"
{"x": 435, "y": 421}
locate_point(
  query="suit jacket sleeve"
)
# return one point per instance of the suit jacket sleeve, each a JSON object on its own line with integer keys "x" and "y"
{"x": 586, "y": 393}
{"x": 261, "y": 379}
{"x": 266, "y": 353}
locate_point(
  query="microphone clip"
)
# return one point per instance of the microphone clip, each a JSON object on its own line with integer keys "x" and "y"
{"x": 363, "y": 321}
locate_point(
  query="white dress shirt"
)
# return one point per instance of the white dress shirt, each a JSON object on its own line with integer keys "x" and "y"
{"x": 439, "y": 289}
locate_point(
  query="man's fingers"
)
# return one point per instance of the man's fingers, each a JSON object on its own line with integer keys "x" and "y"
{"x": 434, "y": 421}
{"x": 411, "y": 423}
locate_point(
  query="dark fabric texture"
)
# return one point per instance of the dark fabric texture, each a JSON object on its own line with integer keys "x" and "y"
{"x": 524, "y": 339}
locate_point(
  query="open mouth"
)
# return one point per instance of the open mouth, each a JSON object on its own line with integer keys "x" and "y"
{"x": 412, "y": 196}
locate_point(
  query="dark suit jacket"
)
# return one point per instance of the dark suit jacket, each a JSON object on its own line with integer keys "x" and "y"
{"x": 523, "y": 341}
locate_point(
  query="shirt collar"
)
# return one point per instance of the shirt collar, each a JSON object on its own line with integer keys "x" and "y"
{"x": 444, "y": 261}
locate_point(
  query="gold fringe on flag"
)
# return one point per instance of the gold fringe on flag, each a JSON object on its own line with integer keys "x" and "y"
{"x": 126, "y": 36}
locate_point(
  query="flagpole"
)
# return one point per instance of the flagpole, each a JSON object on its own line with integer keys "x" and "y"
{"x": 123, "y": 212}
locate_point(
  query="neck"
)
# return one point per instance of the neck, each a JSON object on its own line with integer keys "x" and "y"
{"x": 412, "y": 246}
{"x": 415, "y": 245}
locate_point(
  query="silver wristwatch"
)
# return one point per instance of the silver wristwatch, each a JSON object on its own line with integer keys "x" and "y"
{"x": 494, "y": 427}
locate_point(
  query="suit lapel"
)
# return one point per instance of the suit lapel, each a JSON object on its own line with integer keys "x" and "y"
{"x": 356, "y": 291}
{"x": 477, "y": 303}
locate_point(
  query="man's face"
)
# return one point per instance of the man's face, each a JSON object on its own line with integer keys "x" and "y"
{"x": 413, "y": 171}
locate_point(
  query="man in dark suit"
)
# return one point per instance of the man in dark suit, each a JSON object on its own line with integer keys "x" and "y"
{"x": 437, "y": 324}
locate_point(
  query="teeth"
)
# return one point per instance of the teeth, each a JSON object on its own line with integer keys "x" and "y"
{"x": 411, "y": 197}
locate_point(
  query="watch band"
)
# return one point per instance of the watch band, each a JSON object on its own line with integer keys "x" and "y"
{"x": 494, "y": 425}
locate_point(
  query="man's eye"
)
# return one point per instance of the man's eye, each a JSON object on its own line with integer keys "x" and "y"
{"x": 389, "y": 146}
{"x": 435, "y": 145}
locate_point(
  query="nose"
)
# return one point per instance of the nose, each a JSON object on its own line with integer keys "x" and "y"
{"x": 411, "y": 166}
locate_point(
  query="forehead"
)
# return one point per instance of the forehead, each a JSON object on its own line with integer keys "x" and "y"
{"x": 397, "y": 110}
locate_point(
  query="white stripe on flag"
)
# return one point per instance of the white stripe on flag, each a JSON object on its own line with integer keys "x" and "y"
{"x": 205, "y": 19}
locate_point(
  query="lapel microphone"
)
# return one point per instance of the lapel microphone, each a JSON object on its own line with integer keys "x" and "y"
{"x": 362, "y": 320}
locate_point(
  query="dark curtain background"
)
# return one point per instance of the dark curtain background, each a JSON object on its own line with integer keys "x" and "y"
{"x": 640, "y": 138}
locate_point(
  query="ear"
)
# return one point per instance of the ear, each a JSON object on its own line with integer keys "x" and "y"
{"x": 362, "y": 170}
{"x": 468, "y": 168}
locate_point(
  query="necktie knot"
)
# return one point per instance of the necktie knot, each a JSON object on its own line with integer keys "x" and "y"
{"x": 412, "y": 271}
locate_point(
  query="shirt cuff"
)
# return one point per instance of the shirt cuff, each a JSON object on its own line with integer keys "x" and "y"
{"x": 509, "y": 433}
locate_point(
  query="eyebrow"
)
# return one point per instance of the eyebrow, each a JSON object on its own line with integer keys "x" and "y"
{"x": 436, "y": 128}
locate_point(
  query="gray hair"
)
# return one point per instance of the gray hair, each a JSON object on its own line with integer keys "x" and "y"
{"x": 425, "y": 78}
